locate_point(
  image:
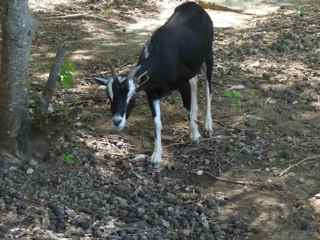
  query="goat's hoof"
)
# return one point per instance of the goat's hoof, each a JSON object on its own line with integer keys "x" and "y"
{"x": 155, "y": 160}
{"x": 209, "y": 132}
{"x": 195, "y": 140}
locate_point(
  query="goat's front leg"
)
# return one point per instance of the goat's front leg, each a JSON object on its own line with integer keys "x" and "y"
{"x": 156, "y": 113}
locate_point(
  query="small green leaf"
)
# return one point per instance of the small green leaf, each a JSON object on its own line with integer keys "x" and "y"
{"x": 300, "y": 11}
{"x": 67, "y": 73}
{"x": 234, "y": 96}
{"x": 69, "y": 159}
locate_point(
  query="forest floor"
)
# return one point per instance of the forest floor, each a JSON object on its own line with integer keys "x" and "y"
{"x": 256, "y": 178}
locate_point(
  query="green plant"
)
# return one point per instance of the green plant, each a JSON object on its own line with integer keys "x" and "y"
{"x": 300, "y": 11}
{"x": 234, "y": 96}
{"x": 67, "y": 74}
{"x": 69, "y": 159}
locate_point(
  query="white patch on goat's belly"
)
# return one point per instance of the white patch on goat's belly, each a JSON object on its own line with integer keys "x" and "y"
{"x": 157, "y": 153}
{"x": 132, "y": 90}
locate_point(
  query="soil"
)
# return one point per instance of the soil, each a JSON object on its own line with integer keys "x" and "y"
{"x": 256, "y": 178}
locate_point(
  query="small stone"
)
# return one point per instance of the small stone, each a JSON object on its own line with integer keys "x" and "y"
{"x": 2, "y": 204}
{"x": 271, "y": 101}
{"x": 139, "y": 157}
{"x": 252, "y": 120}
{"x": 200, "y": 172}
{"x": 165, "y": 223}
{"x": 78, "y": 124}
{"x": 122, "y": 202}
{"x": 72, "y": 231}
{"x": 33, "y": 163}
{"x": 237, "y": 87}
{"x": 50, "y": 108}
{"x": 186, "y": 232}
{"x": 266, "y": 76}
{"x": 204, "y": 220}
{"x": 30, "y": 171}
{"x": 13, "y": 168}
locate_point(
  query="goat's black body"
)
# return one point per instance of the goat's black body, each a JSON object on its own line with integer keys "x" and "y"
{"x": 177, "y": 50}
{"x": 169, "y": 61}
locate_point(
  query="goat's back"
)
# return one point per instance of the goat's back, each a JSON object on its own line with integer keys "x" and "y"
{"x": 179, "y": 47}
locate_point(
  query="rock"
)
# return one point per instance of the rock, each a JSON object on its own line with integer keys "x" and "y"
{"x": 200, "y": 172}
{"x": 237, "y": 87}
{"x": 72, "y": 232}
{"x": 139, "y": 158}
{"x": 33, "y": 163}
{"x": 30, "y": 171}
{"x": 82, "y": 221}
{"x": 204, "y": 220}
{"x": 123, "y": 203}
{"x": 2, "y": 204}
{"x": 252, "y": 120}
{"x": 165, "y": 223}
{"x": 78, "y": 124}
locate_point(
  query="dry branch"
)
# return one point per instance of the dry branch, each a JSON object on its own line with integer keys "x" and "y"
{"x": 76, "y": 16}
{"x": 299, "y": 163}
{"x": 218, "y": 7}
{"x": 231, "y": 180}
{"x": 49, "y": 89}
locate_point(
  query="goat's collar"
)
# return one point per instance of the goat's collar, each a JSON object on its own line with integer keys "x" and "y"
{"x": 143, "y": 79}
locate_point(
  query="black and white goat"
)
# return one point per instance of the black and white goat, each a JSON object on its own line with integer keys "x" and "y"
{"x": 170, "y": 60}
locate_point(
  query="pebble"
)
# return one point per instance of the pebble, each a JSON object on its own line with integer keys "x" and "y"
{"x": 30, "y": 171}
{"x": 139, "y": 157}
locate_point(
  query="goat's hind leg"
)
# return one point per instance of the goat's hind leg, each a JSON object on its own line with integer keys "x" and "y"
{"x": 189, "y": 96}
{"x": 208, "y": 73}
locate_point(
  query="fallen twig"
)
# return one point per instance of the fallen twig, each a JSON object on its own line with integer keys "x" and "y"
{"x": 76, "y": 16}
{"x": 218, "y": 7}
{"x": 285, "y": 171}
{"x": 230, "y": 180}
{"x": 49, "y": 89}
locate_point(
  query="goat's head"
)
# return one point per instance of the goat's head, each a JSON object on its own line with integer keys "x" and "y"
{"x": 121, "y": 90}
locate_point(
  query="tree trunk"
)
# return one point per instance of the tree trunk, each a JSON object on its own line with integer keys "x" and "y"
{"x": 14, "y": 78}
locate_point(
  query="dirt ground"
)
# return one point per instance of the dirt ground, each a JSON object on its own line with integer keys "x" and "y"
{"x": 256, "y": 178}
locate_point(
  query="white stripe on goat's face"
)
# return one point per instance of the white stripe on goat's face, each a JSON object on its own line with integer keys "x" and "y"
{"x": 122, "y": 89}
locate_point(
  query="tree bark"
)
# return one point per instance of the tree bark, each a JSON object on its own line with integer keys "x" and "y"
{"x": 14, "y": 78}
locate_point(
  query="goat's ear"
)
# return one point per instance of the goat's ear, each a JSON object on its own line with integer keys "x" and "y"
{"x": 103, "y": 81}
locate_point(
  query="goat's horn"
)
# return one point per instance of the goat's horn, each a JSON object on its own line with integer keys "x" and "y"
{"x": 111, "y": 68}
{"x": 132, "y": 74}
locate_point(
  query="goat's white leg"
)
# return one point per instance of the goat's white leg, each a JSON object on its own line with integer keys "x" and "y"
{"x": 157, "y": 153}
{"x": 195, "y": 135}
{"x": 208, "y": 120}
